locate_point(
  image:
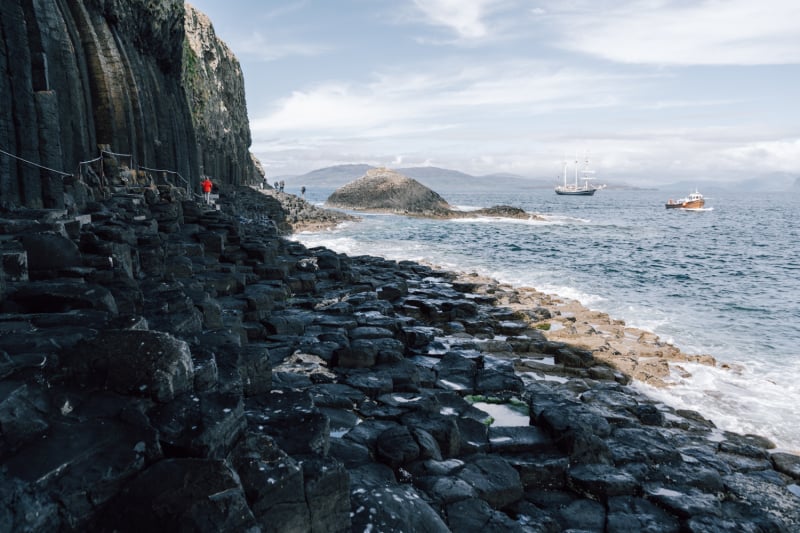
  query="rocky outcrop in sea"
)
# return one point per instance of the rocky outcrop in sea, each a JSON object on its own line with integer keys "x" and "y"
{"x": 387, "y": 191}
{"x": 384, "y": 190}
{"x": 168, "y": 366}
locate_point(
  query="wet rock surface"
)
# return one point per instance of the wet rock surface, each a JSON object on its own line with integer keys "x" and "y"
{"x": 176, "y": 367}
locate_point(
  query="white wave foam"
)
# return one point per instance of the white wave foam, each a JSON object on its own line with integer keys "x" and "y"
{"x": 532, "y": 221}
{"x": 750, "y": 398}
{"x": 564, "y": 219}
{"x": 513, "y": 278}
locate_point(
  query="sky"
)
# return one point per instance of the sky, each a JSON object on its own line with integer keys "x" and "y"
{"x": 650, "y": 91}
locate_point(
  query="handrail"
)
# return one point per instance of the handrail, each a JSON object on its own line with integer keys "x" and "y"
{"x": 35, "y": 164}
{"x": 99, "y": 158}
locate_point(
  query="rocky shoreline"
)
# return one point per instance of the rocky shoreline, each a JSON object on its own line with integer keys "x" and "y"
{"x": 169, "y": 366}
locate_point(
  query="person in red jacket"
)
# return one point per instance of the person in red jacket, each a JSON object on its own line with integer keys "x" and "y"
{"x": 206, "y": 185}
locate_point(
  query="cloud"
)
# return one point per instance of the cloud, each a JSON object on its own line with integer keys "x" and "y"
{"x": 776, "y": 155}
{"x": 255, "y": 45}
{"x": 331, "y": 108}
{"x": 671, "y": 32}
{"x": 682, "y": 104}
{"x": 399, "y": 102}
{"x": 465, "y": 17}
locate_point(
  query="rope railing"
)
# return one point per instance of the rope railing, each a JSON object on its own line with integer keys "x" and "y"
{"x": 59, "y": 172}
{"x": 160, "y": 170}
{"x": 81, "y": 164}
{"x": 176, "y": 173}
{"x": 109, "y": 152}
{"x": 90, "y": 161}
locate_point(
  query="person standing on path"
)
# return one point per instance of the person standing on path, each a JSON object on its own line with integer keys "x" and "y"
{"x": 206, "y": 184}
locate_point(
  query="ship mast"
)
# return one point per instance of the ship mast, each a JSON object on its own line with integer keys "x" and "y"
{"x": 576, "y": 170}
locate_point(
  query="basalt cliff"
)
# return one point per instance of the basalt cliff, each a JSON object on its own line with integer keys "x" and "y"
{"x": 92, "y": 85}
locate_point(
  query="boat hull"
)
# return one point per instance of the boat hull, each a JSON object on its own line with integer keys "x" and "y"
{"x": 694, "y": 204}
{"x": 579, "y": 192}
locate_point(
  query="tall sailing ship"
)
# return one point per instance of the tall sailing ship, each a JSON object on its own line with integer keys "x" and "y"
{"x": 574, "y": 188}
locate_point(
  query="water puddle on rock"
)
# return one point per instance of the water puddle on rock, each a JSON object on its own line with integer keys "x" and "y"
{"x": 514, "y": 413}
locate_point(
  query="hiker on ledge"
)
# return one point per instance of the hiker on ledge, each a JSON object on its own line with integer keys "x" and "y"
{"x": 206, "y": 184}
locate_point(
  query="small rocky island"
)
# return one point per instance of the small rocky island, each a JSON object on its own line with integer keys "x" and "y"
{"x": 386, "y": 191}
{"x": 382, "y": 190}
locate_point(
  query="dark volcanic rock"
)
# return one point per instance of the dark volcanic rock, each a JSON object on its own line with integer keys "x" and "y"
{"x": 393, "y": 508}
{"x": 259, "y": 385}
{"x": 495, "y": 481}
{"x": 184, "y": 495}
{"x": 381, "y": 189}
{"x": 273, "y": 484}
{"x": 146, "y": 363}
{"x": 116, "y": 76}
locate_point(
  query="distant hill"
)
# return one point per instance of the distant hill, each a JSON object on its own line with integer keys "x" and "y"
{"x": 772, "y": 182}
{"x": 446, "y": 181}
{"x": 441, "y": 180}
{"x": 328, "y": 177}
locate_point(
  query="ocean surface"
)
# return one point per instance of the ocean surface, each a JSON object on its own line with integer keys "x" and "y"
{"x": 723, "y": 281}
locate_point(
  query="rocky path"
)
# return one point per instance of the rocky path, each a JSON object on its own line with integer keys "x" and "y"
{"x": 166, "y": 366}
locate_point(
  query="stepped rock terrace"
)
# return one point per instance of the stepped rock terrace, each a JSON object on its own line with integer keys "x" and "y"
{"x": 166, "y": 365}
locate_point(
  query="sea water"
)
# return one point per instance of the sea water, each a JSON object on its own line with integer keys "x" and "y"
{"x": 723, "y": 281}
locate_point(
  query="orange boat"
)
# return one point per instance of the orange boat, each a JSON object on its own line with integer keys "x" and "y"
{"x": 694, "y": 201}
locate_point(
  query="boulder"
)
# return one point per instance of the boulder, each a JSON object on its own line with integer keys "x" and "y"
{"x": 205, "y": 424}
{"x": 601, "y": 482}
{"x": 182, "y": 495}
{"x": 327, "y": 492}
{"x": 629, "y": 513}
{"x": 135, "y": 362}
{"x": 493, "y": 478}
{"x": 476, "y": 515}
{"x": 49, "y": 253}
{"x": 58, "y": 296}
{"x": 787, "y": 463}
{"x": 396, "y": 446}
{"x": 273, "y": 483}
{"x": 393, "y": 508}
